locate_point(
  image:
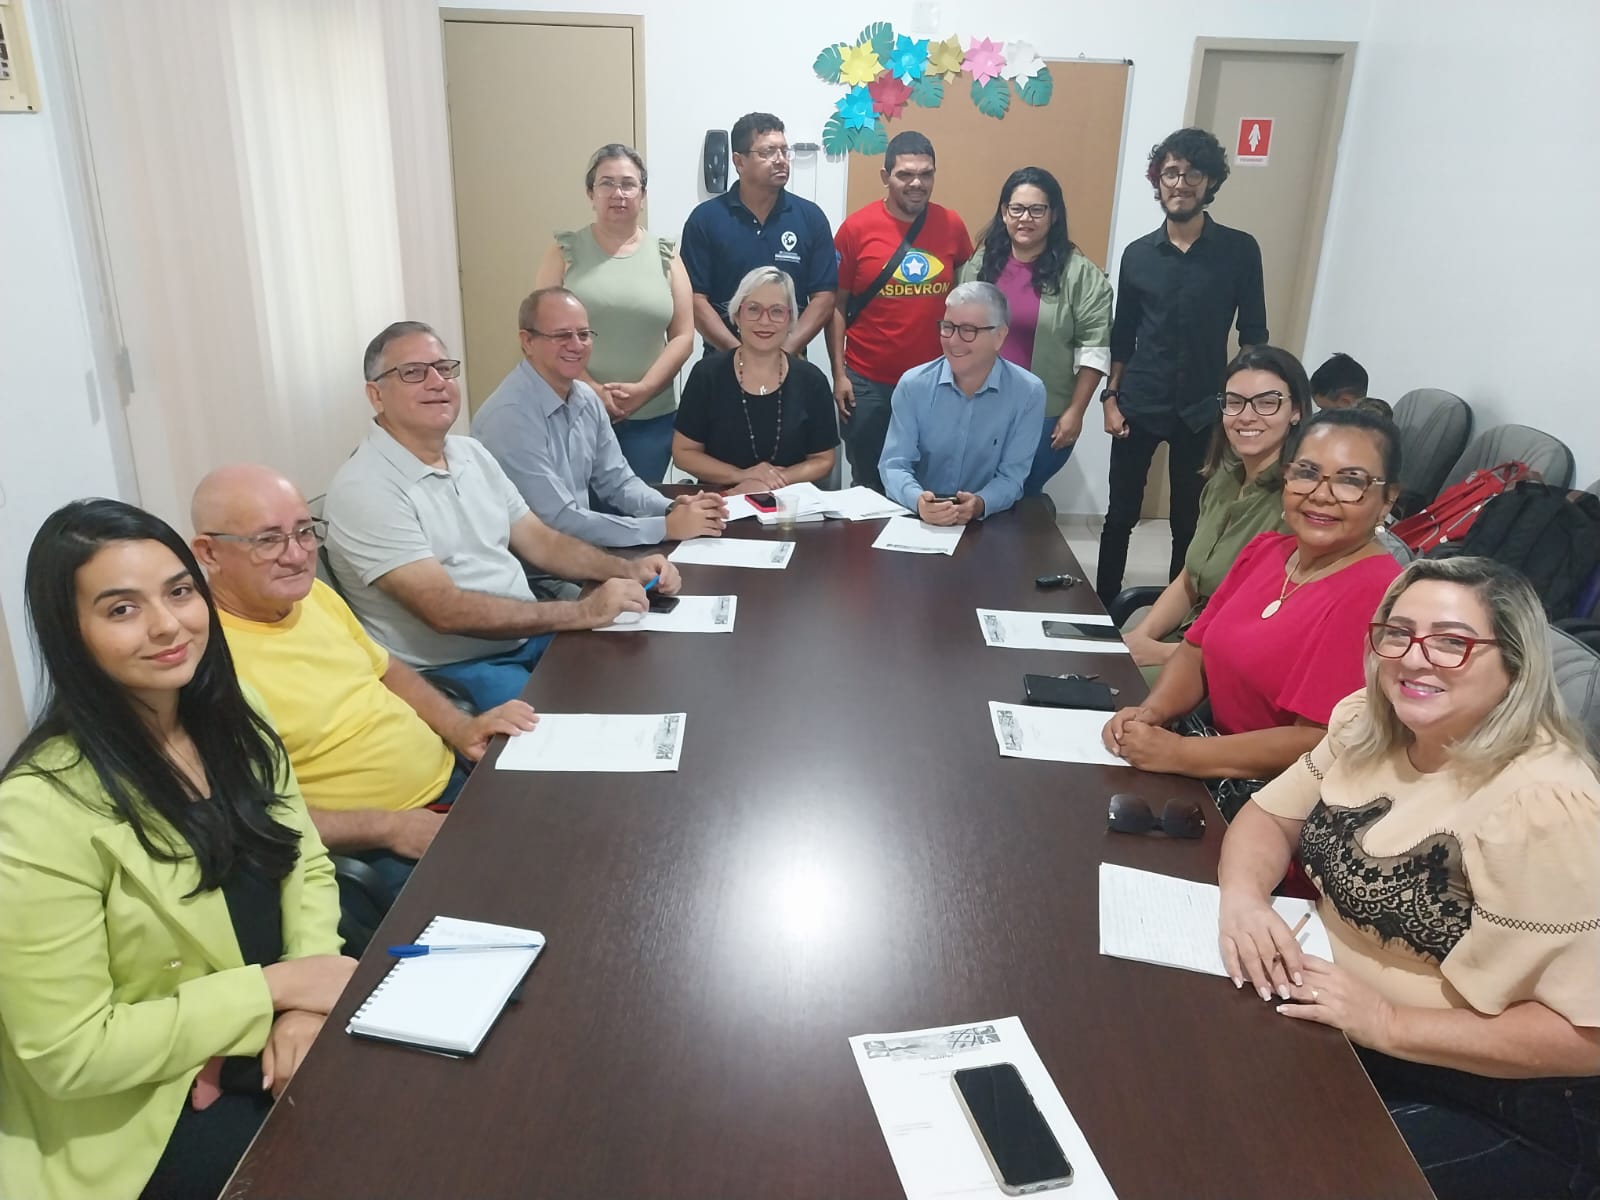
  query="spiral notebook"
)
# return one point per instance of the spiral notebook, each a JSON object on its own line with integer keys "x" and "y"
{"x": 447, "y": 1003}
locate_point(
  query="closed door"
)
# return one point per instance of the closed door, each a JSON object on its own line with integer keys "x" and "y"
{"x": 525, "y": 115}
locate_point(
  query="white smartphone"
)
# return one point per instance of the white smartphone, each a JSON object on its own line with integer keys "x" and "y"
{"x": 1017, "y": 1141}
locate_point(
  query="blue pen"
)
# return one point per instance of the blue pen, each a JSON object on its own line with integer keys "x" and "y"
{"x": 654, "y": 579}
{"x": 418, "y": 949}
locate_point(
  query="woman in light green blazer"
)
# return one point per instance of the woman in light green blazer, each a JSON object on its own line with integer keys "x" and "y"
{"x": 1060, "y": 309}
{"x": 170, "y": 943}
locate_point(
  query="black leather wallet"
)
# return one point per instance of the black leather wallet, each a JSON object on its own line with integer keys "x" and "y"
{"x": 1068, "y": 693}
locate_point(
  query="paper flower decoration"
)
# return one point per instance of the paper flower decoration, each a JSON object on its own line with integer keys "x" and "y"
{"x": 945, "y": 58}
{"x": 1022, "y": 62}
{"x": 860, "y": 65}
{"x": 855, "y": 108}
{"x": 908, "y": 59}
{"x": 889, "y": 95}
{"x": 984, "y": 60}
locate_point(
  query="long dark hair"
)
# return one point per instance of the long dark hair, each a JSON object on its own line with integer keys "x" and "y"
{"x": 1051, "y": 265}
{"x": 1287, "y": 368}
{"x": 231, "y": 828}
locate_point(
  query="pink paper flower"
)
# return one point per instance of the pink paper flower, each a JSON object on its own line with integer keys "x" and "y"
{"x": 984, "y": 60}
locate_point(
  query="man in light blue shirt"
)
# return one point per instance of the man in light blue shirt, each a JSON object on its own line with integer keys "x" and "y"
{"x": 550, "y": 434}
{"x": 962, "y": 428}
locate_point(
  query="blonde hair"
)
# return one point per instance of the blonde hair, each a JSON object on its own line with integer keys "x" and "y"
{"x": 1530, "y": 712}
{"x": 760, "y": 277}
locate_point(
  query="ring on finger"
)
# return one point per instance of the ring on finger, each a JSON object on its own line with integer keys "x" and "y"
{"x": 1314, "y": 995}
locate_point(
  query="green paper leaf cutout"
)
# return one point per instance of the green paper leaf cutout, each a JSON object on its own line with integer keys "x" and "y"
{"x": 872, "y": 140}
{"x": 836, "y": 138}
{"x": 928, "y": 92}
{"x": 881, "y": 35}
{"x": 992, "y": 99}
{"x": 827, "y": 64}
{"x": 1038, "y": 90}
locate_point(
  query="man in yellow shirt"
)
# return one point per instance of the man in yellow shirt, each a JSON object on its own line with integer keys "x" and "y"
{"x": 371, "y": 742}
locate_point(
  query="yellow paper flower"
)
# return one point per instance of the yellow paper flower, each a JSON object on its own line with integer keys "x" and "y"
{"x": 945, "y": 58}
{"x": 859, "y": 65}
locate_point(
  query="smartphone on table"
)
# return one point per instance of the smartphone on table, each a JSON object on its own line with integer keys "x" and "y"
{"x": 660, "y": 603}
{"x": 1016, "y": 1139}
{"x": 1069, "y": 629}
{"x": 763, "y": 501}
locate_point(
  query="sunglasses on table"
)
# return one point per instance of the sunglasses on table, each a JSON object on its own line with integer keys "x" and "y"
{"x": 1178, "y": 818}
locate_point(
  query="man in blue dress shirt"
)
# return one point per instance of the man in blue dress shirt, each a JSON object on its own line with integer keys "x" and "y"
{"x": 964, "y": 425}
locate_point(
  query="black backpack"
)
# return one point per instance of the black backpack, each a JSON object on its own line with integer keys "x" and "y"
{"x": 1550, "y": 538}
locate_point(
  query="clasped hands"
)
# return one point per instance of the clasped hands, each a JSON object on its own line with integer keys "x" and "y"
{"x": 965, "y": 508}
{"x": 1137, "y": 735}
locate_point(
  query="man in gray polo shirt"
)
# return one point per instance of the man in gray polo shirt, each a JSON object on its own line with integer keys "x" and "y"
{"x": 550, "y": 434}
{"x": 429, "y": 539}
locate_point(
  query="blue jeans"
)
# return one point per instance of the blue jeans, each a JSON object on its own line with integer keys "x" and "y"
{"x": 393, "y": 871}
{"x": 647, "y": 445}
{"x": 490, "y": 682}
{"x": 1047, "y": 460}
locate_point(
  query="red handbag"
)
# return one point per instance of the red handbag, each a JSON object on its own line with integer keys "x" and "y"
{"x": 1452, "y": 513}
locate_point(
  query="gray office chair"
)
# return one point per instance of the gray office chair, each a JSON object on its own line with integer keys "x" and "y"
{"x": 1577, "y": 668}
{"x": 1547, "y": 455}
{"x": 1434, "y": 428}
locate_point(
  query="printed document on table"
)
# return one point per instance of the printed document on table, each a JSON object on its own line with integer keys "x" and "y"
{"x": 694, "y": 614}
{"x": 1025, "y": 631}
{"x": 918, "y": 537}
{"x": 1171, "y": 922}
{"x": 734, "y": 552}
{"x": 910, "y": 1081}
{"x": 1051, "y": 734}
{"x": 861, "y": 504}
{"x": 604, "y": 742}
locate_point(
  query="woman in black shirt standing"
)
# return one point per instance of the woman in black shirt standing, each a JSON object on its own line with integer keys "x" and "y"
{"x": 756, "y": 418}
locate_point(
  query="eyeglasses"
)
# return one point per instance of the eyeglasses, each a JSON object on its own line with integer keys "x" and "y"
{"x": 582, "y": 336}
{"x": 768, "y": 153}
{"x": 1192, "y": 177}
{"x": 416, "y": 372}
{"x": 269, "y": 547}
{"x": 1037, "y": 211}
{"x": 1347, "y": 487}
{"x": 968, "y": 333}
{"x": 1265, "y": 403}
{"x": 1443, "y": 650}
{"x": 622, "y": 187}
{"x": 1132, "y": 814}
{"x": 751, "y": 311}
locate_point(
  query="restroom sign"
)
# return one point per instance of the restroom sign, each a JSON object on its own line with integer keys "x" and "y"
{"x": 1255, "y": 140}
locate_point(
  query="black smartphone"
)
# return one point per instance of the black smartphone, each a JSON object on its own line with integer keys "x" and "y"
{"x": 662, "y": 604}
{"x": 765, "y": 501}
{"x": 1067, "y": 629}
{"x": 946, "y": 499}
{"x": 1051, "y": 692}
{"x": 1017, "y": 1140}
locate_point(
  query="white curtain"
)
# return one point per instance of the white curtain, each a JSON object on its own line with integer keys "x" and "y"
{"x": 273, "y": 180}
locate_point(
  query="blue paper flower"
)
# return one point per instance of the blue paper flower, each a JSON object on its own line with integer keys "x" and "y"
{"x": 908, "y": 60}
{"x": 855, "y": 108}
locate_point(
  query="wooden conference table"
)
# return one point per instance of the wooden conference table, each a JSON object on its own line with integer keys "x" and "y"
{"x": 842, "y": 852}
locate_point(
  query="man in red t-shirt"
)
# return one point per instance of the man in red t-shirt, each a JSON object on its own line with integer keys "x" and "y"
{"x": 898, "y": 327}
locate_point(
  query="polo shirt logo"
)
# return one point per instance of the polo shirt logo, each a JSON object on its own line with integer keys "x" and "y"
{"x": 790, "y": 240}
{"x": 918, "y": 275}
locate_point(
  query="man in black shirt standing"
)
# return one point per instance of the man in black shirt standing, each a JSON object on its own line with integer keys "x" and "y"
{"x": 1177, "y": 293}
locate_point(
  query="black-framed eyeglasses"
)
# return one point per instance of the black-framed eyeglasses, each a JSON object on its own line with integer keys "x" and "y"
{"x": 1132, "y": 814}
{"x": 269, "y": 547}
{"x": 1446, "y": 651}
{"x": 416, "y": 372}
{"x": 582, "y": 336}
{"x": 1037, "y": 211}
{"x": 1347, "y": 487}
{"x": 1266, "y": 404}
{"x": 967, "y": 333}
{"x": 1193, "y": 177}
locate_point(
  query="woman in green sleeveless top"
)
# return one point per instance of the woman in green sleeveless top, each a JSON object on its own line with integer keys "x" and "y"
{"x": 640, "y": 306}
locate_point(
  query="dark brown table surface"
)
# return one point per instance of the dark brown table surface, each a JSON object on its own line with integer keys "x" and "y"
{"x": 842, "y": 852}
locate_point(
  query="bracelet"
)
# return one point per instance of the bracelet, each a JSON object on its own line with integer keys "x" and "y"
{"x": 1110, "y": 394}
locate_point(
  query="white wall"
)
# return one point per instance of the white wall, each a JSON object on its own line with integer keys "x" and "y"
{"x": 57, "y": 445}
{"x": 1463, "y": 249}
{"x": 703, "y": 70}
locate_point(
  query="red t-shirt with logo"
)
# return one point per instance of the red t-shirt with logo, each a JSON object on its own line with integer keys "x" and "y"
{"x": 899, "y": 329}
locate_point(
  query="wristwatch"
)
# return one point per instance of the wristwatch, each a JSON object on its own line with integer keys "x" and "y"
{"x": 1110, "y": 394}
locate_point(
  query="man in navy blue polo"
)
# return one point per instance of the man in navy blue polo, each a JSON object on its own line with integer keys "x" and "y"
{"x": 757, "y": 223}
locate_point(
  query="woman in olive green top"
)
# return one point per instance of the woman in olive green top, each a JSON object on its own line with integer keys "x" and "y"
{"x": 1060, "y": 309}
{"x": 1265, "y": 396}
{"x": 640, "y": 305}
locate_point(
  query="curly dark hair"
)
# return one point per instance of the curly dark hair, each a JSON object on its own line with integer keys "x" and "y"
{"x": 1051, "y": 265}
{"x": 1197, "y": 147}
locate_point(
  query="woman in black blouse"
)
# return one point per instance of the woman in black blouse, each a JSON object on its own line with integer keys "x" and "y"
{"x": 755, "y": 418}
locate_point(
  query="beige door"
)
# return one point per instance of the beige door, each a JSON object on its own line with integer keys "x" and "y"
{"x": 525, "y": 115}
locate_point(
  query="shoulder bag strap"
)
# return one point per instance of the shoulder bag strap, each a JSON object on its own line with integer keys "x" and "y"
{"x": 853, "y": 309}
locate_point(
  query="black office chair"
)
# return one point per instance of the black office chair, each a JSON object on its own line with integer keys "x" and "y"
{"x": 1575, "y": 655}
{"x": 363, "y": 903}
{"x": 1434, "y": 427}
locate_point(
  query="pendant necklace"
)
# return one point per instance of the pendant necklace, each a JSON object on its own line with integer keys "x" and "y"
{"x": 1284, "y": 593}
{"x": 744, "y": 403}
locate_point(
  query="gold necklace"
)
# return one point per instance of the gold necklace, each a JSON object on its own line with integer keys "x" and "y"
{"x": 1271, "y": 610}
